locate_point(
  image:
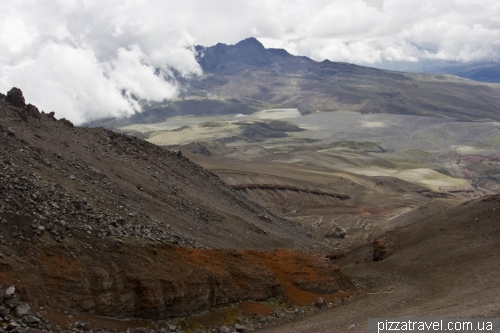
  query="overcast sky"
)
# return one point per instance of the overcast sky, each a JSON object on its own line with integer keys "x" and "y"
{"x": 85, "y": 59}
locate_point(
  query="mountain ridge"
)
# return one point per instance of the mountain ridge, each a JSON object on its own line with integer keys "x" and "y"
{"x": 246, "y": 77}
{"x": 250, "y": 52}
{"x": 483, "y": 72}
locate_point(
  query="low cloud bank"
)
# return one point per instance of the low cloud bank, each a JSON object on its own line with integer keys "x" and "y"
{"x": 87, "y": 59}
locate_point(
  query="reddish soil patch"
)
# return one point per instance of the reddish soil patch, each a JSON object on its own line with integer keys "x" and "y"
{"x": 302, "y": 277}
{"x": 163, "y": 281}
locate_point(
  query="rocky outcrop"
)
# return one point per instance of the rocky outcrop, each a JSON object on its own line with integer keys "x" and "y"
{"x": 147, "y": 281}
{"x": 32, "y": 111}
{"x": 381, "y": 247}
{"x": 16, "y": 98}
{"x": 283, "y": 187}
{"x": 336, "y": 232}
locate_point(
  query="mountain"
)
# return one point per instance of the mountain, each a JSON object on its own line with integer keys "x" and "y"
{"x": 247, "y": 77}
{"x": 484, "y": 72}
{"x": 146, "y": 181}
{"x": 229, "y": 59}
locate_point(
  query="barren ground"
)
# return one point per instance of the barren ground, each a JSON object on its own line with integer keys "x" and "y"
{"x": 446, "y": 266}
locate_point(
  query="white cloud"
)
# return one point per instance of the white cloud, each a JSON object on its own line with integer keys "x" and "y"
{"x": 131, "y": 71}
{"x": 88, "y": 59}
{"x": 77, "y": 56}
{"x": 69, "y": 81}
{"x": 373, "y": 31}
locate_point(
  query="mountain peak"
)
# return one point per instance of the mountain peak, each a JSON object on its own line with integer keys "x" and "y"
{"x": 251, "y": 42}
{"x": 248, "y": 52}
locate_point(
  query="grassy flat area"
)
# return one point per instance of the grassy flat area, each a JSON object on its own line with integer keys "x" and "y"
{"x": 429, "y": 152}
{"x": 193, "y": 133}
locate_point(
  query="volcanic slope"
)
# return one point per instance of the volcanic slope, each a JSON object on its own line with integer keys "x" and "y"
{"x": 246, "y": 77}
{"x": 101, "y": 223}
{"x": 364, "y": 206}
{"x": 129, "y": 180}
{"x": 445, "y": 266}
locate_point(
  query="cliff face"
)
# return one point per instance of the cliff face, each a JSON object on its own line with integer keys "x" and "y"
{"x": 147, "y": 281}
{"x": 107, "y": 224}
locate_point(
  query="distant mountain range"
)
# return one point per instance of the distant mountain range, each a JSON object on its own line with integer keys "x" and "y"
{"x": 247, "y": 77}
{"x": 230, "y": 59}
{"x": 484, "y": 72}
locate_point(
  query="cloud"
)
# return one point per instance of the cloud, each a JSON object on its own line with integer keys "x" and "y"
{"x": 374, "y": 31}
{"x": 86, "y": 58}
{"x": 70, "y": 81}
{"x": 132, "y": 72}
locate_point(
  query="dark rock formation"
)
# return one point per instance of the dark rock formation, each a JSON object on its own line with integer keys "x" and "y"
{"x": 32, "y": 111}
{"x": 66, "y": 122}
{"x": 336, "y": 232}
{"x": 380, "y": 248}
{"x": 16, "y": 98}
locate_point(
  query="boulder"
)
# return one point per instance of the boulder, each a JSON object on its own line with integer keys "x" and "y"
{"x": 320, "y": 303}
{"x": 31, "y": 320}
{"x": 4, "y": 311}
{"x": 22, "y": 310}
{"x": 380, "y": 248}
{"x": 336, "y": 232}
{"x": 10, "y": 291}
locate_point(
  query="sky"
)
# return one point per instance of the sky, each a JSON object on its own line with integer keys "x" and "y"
{"x": 88, "y": 59}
